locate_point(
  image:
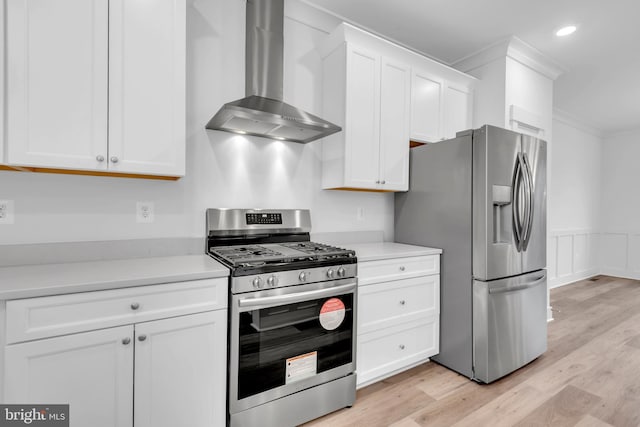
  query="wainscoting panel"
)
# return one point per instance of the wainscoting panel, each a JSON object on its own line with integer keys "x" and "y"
{"x": 620, "y": 254}
{"x": 572, "y": 256}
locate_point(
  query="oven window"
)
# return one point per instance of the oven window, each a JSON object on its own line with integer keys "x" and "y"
{"x": 279, "y": 345}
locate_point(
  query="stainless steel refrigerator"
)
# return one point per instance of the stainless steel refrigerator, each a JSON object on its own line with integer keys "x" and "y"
{"x": 481, "y": 197}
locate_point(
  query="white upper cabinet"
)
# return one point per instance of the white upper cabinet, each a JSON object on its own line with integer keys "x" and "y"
{"x": 147, "y": 86}
{"x": 458, "y": 104}
{"x": 395, "y": 95}
{"x": 57, "y": 82}
{"x": 441, "y": 105}
{"x": 368, "y": 95}
{"x": 96, "y": 85}
{"x": 384, "y": 96}
{"x": 426, "y": 106}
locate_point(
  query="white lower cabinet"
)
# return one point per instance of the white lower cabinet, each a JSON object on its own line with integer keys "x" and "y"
{"x": 398, "y": 315}
{"x": 91, "y": 371}
{"x": 145, "y": 372}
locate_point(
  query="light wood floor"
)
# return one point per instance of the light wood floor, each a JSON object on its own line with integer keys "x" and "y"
{"x": 589, "y": 376}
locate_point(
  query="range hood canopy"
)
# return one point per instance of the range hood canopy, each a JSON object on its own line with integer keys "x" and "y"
{"x": 262, "y": 112}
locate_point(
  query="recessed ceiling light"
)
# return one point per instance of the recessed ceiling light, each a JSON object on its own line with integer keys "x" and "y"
{"x": 565, "y": 31}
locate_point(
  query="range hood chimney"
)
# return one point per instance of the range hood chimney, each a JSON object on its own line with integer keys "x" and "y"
{"x": 262, "y": 112}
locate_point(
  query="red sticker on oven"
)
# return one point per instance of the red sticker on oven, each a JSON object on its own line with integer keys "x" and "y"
{"x": 332, "y": 314}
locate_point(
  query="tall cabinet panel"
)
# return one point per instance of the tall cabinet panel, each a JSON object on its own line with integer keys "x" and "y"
{"x": 458, "y": 102}
{"x": 394, "y": 124}
{"x": 426, "y": 106}
{"x": 147, "y": 86}
{"x": 363, "y": 117}
{"x": 57, "y": 54}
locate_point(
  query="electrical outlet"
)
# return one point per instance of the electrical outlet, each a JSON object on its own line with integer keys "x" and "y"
{"x": 144, "y": 212}
{"x": 6, "y": 211}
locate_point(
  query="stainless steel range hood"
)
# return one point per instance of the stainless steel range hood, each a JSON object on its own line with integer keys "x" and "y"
{"x": 262, "y": 112}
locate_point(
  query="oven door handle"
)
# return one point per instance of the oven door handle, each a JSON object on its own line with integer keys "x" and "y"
{"x": 265, "y": 302}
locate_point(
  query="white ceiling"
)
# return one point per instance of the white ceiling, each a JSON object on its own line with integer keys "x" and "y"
{"x": 601, "y": 88}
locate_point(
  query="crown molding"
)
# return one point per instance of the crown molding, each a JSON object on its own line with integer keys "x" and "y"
{"x": 516, "y": 49}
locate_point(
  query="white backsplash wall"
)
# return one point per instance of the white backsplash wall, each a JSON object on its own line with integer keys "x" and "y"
{"x": 620, "y": 207}
{"x": 223, "y": 170}
{"x": 574, "y": 196}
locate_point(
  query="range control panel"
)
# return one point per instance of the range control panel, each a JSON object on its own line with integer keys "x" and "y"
{"x": 264, "y": 218}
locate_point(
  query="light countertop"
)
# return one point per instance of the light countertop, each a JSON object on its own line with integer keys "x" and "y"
{"x": 388, "y": 250}
{"x": 51, "y": 279}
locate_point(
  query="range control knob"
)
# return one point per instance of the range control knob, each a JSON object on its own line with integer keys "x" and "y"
{"x": 342, "y": 272}
{"x": 303, "y": 276}
{"x": 272, "y": 281}
{"x": 330, "y": 273}
{"x": 257, "y": 283}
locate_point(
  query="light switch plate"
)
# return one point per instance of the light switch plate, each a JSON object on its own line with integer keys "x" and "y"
{"x": 145, "y": 212}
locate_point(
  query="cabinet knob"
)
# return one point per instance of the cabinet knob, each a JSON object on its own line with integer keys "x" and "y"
{"x": 402, "y": 302}
{"x": 401, "y": 346}
{"x": 126, "y": 341}
{"x": 142, "y": 337}
{"x": 378, "y": 182}
{"x": 402, "y": 268}
{"x": 135, "y": 306}
{"x": 383, "y": 182}
{"x": 100, "y": 158}
{"x": 114, "y": 159}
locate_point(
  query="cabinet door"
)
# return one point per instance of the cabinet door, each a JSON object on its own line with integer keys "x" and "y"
{"x": 57, "y": 83}
{"x": 363, "y": 118}
{"x": 394, "y": 125}
{"x": 180, "y": 371}
{"x": 426, "y": 106}
{"x": 458, "y": 102}
{"x": 147, "y": 86}
{"x": 92, "y": 372}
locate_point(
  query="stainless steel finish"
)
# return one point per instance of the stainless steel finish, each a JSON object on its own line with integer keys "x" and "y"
{"x": 255, "y": 302}
{"x": 298, "y": 408}
{"x": 495, "y": 161}
{"x": 534, "y": 256}
{"x": 437, "y": 212}
{"x": 272, "y": 281}
{"x": 242, "y": 284}
{"x": 126, "y": 341}
{"x": 135, "y": 306}
{"x": 142, "y": 338}
{"x": 262, "y": 112}
{"x": 342, "y": 272}
{"x": 330, "y": 273}
{"x": 114, "y": 159}
{"x": 241, "y": 303}
{"x": 481, "y": 197}
{"x": 232, "y": 222}
{"x": 100, "y": 158}
{"x": 509, "y": 324}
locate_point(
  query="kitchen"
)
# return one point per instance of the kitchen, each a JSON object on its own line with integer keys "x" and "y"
{"x": 224, "y": 170}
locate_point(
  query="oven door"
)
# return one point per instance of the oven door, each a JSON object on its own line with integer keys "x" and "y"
{"x": 289, "y": 339}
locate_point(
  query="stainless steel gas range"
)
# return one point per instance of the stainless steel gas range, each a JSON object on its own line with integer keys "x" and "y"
{"x": 292, "y": 317}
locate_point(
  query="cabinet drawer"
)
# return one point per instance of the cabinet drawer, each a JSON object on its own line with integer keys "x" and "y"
{"x": 384, "y": 304}
{"x": 389, "y": 351}
{"x": 398, "y": 268}
{"x": 35, "y": 318}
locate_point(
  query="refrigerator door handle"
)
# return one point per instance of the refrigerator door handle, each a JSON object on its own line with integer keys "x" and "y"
{"x": 517, "y": 203}
{"x": 499, "y": 289}
{"x": 529, "y": 189}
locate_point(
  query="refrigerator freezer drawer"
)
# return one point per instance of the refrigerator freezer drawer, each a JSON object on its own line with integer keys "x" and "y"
{"x": 509, "y": 324}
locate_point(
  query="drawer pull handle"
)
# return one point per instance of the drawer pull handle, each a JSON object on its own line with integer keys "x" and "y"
{"x": 135, "y": 306}
{"x": 142, "y": 337}
{"x": 402, "y": 302}
{"x": 402, "y": 268}
{"x": 126, "y": 341}
{"x": 401, "y": 346}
